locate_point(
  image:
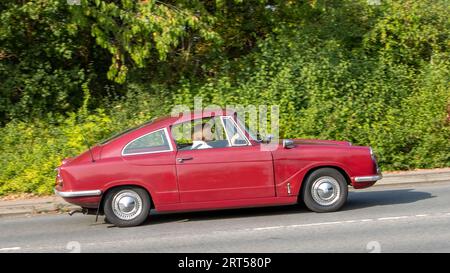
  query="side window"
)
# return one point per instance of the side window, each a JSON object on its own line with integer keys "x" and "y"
{"x": 200, "y": 134}
{"x": 150, "y": 143}
{"x": 235, "y": 135}
{"x": 216, "y": 132}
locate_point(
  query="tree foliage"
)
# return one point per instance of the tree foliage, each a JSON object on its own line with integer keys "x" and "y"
{"x": 372, "y": 74}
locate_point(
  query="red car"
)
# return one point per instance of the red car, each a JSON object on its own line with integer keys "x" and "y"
{"x": 209, "y": 160}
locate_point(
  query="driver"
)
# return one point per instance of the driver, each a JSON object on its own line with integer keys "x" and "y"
{"x": 202, "y": 133}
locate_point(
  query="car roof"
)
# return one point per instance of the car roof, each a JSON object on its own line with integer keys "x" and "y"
{"x": 190, "y": 115}
{"x": 117, "y": 141}
{"x": 166, "y": 121}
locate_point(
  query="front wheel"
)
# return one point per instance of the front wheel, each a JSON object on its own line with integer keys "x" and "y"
{"x": 325, "y": 190}
{"x": 127, "y": 206}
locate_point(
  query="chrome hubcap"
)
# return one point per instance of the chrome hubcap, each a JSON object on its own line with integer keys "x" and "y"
{"x": 127, "y": 205}
{"x": 326, "y": 191}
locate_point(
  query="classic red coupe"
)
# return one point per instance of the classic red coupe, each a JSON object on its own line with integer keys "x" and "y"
{"x": 209, "y": 160}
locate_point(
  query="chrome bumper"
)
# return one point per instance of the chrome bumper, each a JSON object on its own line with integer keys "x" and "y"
{"x": 371, "y": 178}
{"x": 69, "y": 194}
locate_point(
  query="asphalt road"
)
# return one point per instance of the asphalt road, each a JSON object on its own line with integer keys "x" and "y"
{"x": 380, "y": 219}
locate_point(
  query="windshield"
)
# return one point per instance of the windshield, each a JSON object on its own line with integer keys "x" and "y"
{"x": 252, "y": 134}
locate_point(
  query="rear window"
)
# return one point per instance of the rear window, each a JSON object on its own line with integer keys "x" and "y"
{"x": 153, "y": 142}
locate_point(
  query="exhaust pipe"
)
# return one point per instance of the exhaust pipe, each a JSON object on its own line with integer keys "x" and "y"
{"x": 81, "y": 210}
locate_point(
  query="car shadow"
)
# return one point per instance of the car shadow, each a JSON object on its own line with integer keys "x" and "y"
{"x": 364, "y": 199}
{"x": 223, "y": 214}
{"x": 356, "y": 200}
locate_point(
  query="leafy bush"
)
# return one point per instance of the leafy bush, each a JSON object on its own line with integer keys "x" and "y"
{"x": 326, "y": 88}
{"x": 31, "y": 150}
{"x": 346, "y": 70}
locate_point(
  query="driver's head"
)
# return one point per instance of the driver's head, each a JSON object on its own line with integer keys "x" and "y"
{"x": 202, "y": 132}
{"x": 198, "y": 132}
{"x": 207, "y": 134}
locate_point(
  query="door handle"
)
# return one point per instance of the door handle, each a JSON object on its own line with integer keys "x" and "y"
{"x": 182, "y": 159}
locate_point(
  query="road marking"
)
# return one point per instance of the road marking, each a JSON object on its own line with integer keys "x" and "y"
{"x": 421, "y": 215}
{"x": 10, "y": 248}
{"x": 391, "y": 218}
{"x": 266, "y": 228}
{"x": 316, "y": 224}
{"x": 304, "y": 225}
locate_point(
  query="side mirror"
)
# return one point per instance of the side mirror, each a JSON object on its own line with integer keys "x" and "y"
{"x": 288, "y": 143}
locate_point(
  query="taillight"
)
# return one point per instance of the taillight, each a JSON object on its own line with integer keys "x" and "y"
{"x": 374, "y": 160}
{"x": 59, "y": 180}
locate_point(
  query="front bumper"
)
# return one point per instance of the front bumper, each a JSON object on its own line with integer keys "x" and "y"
{"x": 73, "y": 194}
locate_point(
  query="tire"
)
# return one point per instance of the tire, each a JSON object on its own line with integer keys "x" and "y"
{"x": 325, "y": 190}
{"x": 127, "y": 206}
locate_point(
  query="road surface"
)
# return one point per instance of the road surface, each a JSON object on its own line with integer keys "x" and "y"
{"x": 409, "y": 218}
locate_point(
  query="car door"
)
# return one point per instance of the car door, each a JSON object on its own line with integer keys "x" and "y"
{"x": 230, "y": 168}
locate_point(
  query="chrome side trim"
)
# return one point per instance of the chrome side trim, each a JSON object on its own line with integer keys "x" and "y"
{"x": 368, "y": 178}
{"x": 69, "y": 194}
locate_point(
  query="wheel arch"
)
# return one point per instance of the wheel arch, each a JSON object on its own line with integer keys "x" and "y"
{"x": 315, "y": 168}
{"x": 124, "y": 185}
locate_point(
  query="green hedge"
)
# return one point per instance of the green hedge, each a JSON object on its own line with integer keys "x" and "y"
{"x": 31, "y": 150}
{"x": 377, "y": 76}
{"x": 400, "y": 112}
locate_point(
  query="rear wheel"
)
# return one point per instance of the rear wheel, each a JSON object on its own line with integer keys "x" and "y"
{"x": 127, "y": 206}
{"x": 325, "y": 190}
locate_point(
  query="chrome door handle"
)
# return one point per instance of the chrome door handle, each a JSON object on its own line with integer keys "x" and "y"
{"x": 182, "y": 159}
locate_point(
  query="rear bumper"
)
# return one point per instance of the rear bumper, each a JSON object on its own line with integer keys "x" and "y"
{"x": 85, "y": 199}
{"x": 371, "y": 178}
{"x": 361, "y": 182}
{"x": 72, "y": 194}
